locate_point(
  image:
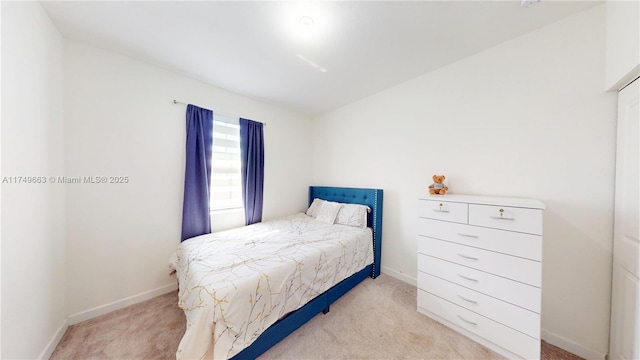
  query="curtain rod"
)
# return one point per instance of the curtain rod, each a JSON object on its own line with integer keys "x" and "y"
{"x": 217, "y": 112}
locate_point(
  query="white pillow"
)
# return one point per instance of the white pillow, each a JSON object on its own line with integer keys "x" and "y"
{"x": 314, "y": 207}
{"x": 353, "y": 215}
{"x": 328, "y": 212}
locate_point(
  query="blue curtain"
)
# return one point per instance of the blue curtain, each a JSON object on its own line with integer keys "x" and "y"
{"x": 197, "y": 177}
{"x": 252, "y": 152}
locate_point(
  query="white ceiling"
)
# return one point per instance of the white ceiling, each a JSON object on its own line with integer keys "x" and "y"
{"x": 255, "y": 48}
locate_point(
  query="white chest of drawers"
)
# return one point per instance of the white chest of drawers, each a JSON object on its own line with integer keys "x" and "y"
{"x": 480, "y": 269}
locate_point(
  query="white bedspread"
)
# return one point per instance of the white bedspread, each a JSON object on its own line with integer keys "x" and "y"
{"x": 235, "y": 284}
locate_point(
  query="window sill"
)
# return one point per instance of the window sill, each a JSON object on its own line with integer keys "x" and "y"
{"x": 225, "y": 211}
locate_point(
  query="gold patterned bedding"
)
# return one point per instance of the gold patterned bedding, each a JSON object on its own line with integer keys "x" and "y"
{"x": 234, "y": 284}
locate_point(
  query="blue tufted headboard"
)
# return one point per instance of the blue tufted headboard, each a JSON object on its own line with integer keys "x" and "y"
{"x": 370, "y": 197}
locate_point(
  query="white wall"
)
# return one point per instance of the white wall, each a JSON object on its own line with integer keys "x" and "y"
{"x": 33, "y": 218}
{"x": 623, "y": 43}
{"x": 527, "y": 118}
{"x": 120, "y": 121}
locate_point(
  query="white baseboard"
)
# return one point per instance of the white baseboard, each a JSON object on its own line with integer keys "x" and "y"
{"x": 400, "y": 276}
{"x": 571, "y": 346}
{"x": 120, "y": 304}
{"x": 51, "y": 346}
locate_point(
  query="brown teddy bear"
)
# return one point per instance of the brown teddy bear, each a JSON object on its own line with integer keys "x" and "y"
{"x": 438, "y": 187}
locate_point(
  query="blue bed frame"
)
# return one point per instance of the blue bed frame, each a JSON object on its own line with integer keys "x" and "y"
{"x": 290, "y": 323}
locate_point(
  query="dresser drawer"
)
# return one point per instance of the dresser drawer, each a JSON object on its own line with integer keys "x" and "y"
{"x": 506, "y": 218}
{"x": 510, "y": 291}
{"x": 507, "y": 314}
{"x": 518, "y": 244}
{"x": 510, "y": 339}
{"x": 443, "y": 210}
{"x": 510, "y": 267}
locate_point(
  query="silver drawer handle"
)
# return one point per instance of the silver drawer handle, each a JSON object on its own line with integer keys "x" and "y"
{"x": 467, "y": 321}
{"x": 469, "y": 236}
{"x": 501, "y": 218}
{"x": 467, "y": 300}
{"x": 439, "y": 209}
{"x": 467, "y": 278}
{"x": 468, "y": 257}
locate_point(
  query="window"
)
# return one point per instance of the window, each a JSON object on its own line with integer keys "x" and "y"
{"x": 226, "y": 186}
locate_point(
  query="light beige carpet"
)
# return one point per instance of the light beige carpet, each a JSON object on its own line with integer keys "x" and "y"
{"x": 375, "y": 320}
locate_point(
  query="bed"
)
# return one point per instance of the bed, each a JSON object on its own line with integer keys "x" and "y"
{"x": 246, "y": 289}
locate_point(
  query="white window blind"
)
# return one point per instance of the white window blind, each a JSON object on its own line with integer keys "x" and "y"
{"x": 226, "y": 187}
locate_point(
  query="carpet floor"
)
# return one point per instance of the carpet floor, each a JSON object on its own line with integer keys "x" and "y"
{"x": 375, "y": 320}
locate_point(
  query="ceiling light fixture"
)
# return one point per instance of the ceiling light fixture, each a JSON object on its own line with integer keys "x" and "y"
{"x": 306, "y": 29}
{"x": 306, "y": 24}
{"x": 528, "y": 3}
